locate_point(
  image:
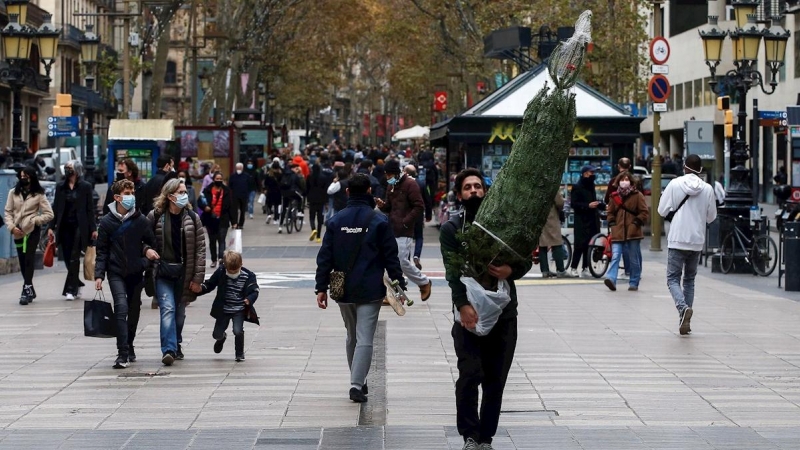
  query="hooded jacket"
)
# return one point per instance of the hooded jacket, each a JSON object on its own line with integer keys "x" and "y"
{"x": 688, "y": 228}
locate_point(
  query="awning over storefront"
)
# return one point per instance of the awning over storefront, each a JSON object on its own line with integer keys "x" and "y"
{"x": 141, "y": 130}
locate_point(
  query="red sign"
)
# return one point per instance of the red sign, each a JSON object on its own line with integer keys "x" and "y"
{"x": 389, "y": 127}
{"x": 795, "y": 194}
{"x": 365, "y": 126}
{"x": 440, "y": 101}
{"x": 659, "y": 50}
{"x": 658, "y": 88}
{"x": 481, "y": 87}
{"x": 381, "y": 132}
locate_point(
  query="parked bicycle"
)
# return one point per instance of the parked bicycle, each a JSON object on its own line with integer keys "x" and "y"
{"x": 760, "y": 251}
{"x": 565, "y": 243}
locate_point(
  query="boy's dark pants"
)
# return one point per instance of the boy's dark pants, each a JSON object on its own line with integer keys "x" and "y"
{"x": 125, "y": 291}
{"x": 485, "y": 361}
{"x": 238, "y": 329}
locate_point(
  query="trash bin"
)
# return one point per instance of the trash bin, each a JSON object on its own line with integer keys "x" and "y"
{"x": 791, "y": 255}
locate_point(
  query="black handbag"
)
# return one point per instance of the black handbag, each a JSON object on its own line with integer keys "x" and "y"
{"x": 98, "y": 318}
{"x": 169, "y": 271}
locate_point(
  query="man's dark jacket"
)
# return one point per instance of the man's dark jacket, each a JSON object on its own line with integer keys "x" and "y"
{"x": 404, "y": 206}
{"x": 587, "y": 220}
{"x": 241, "y": 185}
{"x": 84, "y": 210}
{"x": 219, "y": 281}
{"x": 378, "y": 252}
{"x": 153, "y": 187}
{"x": 321, "y": 177}
{"x": 123, "y": 254}
{"x": 451, "y": 245}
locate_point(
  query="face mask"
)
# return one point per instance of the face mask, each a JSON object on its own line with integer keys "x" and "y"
{"x": 249, "y": 166}
{"x": 69, "y": 171}
{"x": 24, "y": 182}
{"x": 625, "y": 184}
{"x": 392, "y": 181}
{"x": 238, "y": 172}
{"x": 181, "y": 200}
{"x": 128, "y": 202}
{"x": 218, "y": 183}
{"x": 233, "y": 276}
{"x": 120, "y": 176}
{"x": 182, "y": 180}
{"x": 588, "y": 180}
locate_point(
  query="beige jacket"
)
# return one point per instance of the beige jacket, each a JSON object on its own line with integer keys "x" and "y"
{"x": 29, "y": 213}
{"x": 551, "y": 233}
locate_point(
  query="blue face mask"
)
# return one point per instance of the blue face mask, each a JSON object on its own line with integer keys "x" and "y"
{"x": 181, "y": 200}
{"x": 249, "y": 166}
{"x": 128, "y": 202}
{"x": 392, "y": 181}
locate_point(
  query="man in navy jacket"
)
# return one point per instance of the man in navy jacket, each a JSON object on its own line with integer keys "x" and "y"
{"x": 359, "y": 242}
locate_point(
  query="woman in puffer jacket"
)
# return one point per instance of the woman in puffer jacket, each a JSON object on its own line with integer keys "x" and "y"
{"x": 627, "y": 213}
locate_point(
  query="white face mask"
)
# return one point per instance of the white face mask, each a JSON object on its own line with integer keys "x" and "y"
{"x": 233, "y": 276}
{"x": 624, "y": 184}
{"x": 238, "y": 171}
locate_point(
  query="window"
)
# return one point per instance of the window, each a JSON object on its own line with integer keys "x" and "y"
{"x": 678, "y": 96}
{"x": 698, "y": 93}
{"x": 687, "y": 95}
{"x": 171, "y": 76}
{"x": 709, "y": 97}
{"x": 671, "y": 100}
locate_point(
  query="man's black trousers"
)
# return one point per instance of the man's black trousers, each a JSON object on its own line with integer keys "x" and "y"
{"x": 484, "y": 361}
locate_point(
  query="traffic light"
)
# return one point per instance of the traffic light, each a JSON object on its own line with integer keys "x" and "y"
{"x": 723, "y": 103}
{"x": 728, "y": 123}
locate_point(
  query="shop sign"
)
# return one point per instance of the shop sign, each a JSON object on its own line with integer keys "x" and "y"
{"x": 581, "y": 134}
{"x": 503, "y": 131}
{"x": 440, "y": 101}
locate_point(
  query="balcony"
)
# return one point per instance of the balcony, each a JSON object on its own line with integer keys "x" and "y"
{"x": 90, "y": 99}
{"x": 71, "y": 36}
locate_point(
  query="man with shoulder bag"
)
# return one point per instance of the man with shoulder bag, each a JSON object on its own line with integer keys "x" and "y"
{"x": 357, "y": 248}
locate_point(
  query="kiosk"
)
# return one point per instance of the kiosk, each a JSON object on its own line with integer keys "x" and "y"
{"x": 141, "y": 140}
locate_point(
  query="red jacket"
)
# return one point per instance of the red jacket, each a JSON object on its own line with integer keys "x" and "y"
{"x": 404, "y": 205}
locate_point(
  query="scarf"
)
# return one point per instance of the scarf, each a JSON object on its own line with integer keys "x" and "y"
{"x": 624, "y": 192}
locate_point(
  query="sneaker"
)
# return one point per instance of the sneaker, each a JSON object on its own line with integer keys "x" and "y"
{"x": 624, "y": 276}
{"x": 121, "y": 362}
{"x": 300, "y": 215}
{"x": 586, "y": 274}
{"x": 131, "y": 354}
{"x": 213, "y": 264}
{"x": 485, "y": 446}
{"x": 572, "y": 273}
{"x": 179, "y": 353}
{"x": 250, "y": 216}
{"x": 417, "y": 263}
{"x": 33, "y": 294}
{"x": 280, "y": 230}
{"x": 70, "y": 297}
{"x": 357, "y": 396}
{"x": 219, "y": 344}
{"x": 610, "y": 284}
{"x": 425, "y": 291}
{"x": 319, "y": 240}
{"x": 633, "y": 288}
{"x": 274, "y": 222}
{"x": 365, "y": 389}
{"x": 24, "y": 298}
{"x": 240, "y": 357}
{"x": 470, "y": 444}
{"x": 313, "y": 235}
{"x": 168, "y": 359}
{"x": 686, "y": 317}
{"x": 562, "y": 274}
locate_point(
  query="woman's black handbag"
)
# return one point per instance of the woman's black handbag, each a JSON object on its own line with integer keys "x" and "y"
{"x": 98, "y": 318}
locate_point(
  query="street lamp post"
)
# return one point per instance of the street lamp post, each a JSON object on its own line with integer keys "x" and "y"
{"x": 90, "y": 43}
{"x": 271, "y": 103}
{"x": 746, "y": 40}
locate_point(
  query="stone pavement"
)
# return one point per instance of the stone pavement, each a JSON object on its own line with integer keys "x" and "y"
{"x": 593, "y": 369}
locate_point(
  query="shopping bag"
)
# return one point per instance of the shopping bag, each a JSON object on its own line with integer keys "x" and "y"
{"x": 88, "y": 263}
{"x": 233, "y": 241}
{"x": 488, "y": 304}
{"x": 49, "y": 252}
{"x": 98, "y": 318}
{"x": 262, "y": 199}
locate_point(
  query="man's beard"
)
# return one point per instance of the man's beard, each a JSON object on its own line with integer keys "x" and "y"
{"x": 471, "y": 206}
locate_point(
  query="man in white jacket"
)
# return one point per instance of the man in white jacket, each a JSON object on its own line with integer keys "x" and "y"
{"x": 693, "y": 201}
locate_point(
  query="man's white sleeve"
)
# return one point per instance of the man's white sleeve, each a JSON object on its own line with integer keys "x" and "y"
{"x": 665, "y": 203}
{"x": 334, "y": 188}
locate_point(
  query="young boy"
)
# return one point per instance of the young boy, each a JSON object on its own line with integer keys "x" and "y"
{"x": 124, "y": 242}
{"x": 237, "y": 290}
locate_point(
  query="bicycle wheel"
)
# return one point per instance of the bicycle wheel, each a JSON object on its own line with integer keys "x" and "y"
{"x": 727, "y": 252}
{"x": 298, "y": 221}
{"x": 290, "y": 221}
{"x": 764, "y": 255}
{"x": 598, "y": 260}
{"x": 567, "y": 250}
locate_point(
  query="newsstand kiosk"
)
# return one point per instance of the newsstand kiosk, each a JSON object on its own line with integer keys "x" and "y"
{"x": 141, "y": 140}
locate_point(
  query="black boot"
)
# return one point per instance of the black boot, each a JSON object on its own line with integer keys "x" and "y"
{"x": 131, "y": 353}
{"x": 239, "y": 344}
{"x": 33, "y": 294}
{"x": 25, "y": 296}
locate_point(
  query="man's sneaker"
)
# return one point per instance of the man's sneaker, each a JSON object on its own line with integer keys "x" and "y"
{"x": 240, "y": 357}
{"x": 624, "y": 276}
{"x": 24, "y": 299}
{"x": 250, "y": 216}
{"x": 417, "y": 263}
{"x": 686, "y": 317}
{"x": 280, "y": 230}
{"x": 179, "y": 353}
{"x": 131, "y": 354}
{"x": 425, "y": 291}
{"x": 219, "y": 344}
{"x": 168, "y": 359}
{"x": 573, "y": 273}
{"x": 633, "y": 288}
{"x": 365, "y": 389}
{"x": 485, "y": 446}
{"x": 357, "y": 396}
{"x": 562, "y": 274}
{"x": 213, "y": 264}
{"x": 70, "y": 297}
{"x": 121, "y": 362}
{"x": 313, "y": 235}
{"x": 319, "y": 240}
{"x": 470, "y": 444}
{"x": 610, "y": 284}
{"x": 586, "y": 274}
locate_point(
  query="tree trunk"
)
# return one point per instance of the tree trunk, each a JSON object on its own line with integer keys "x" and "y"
{"x": 159, "y": 70}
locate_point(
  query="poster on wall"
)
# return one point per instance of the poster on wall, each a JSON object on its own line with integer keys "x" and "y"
{"x": 221, "y": 143}
{"x": 189, "y": 143}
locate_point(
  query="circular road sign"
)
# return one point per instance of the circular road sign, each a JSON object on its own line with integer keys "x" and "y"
{"x": 658, "y": 88}
{"x": 659, "y": 50}
{"x": 796, "y": 195}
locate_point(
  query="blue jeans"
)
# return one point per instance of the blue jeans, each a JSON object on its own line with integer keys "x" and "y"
{"x": 619, "y": 250}
{"x": 682, "y": 262}
{"x": 173, "y": 313}
{"x": 250, "y": 202}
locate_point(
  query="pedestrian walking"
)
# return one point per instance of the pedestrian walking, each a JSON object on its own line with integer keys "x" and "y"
{"x": 152, "y": 189}
{"x": 692, "y": 201}
{"x": 75, "y": 225}
{"x": 241, "y": 185}
{"x": 419, "y": 225}
{"x": 181, "y": 247}
{"x": 208, "y": 179}
{"x": 258, "y": 185}
{"x": 627, "y": 214}
{"x": 26, "y": 211}
{"x": 125, "y": 243}
{"x": 218, "y": 215}
{"x": 272, "y": 184}
{"x": 623, "y": 165}
{"x": 584, "y": 203}
{"x": 237, "y": 290}
{"x": 292, "y": 188}
{"x": 551, "y": 238}
{"x": 318, "y": 183}
{"x": 482, "y": 360}
{"x": 404, "y": 205}
{"x": 126, "y": 170}
{"x": 360, "y": 243}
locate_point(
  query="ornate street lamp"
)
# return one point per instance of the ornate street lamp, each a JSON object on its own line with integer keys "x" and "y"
{"x": 48, "y": 36}
{"x": 90, "y": 43}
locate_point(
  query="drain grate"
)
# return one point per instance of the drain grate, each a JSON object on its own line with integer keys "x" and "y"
{"x": 142, "y": 374}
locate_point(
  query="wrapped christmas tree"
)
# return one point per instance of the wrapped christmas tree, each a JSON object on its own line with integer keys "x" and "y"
{"x": 510, "y": 219}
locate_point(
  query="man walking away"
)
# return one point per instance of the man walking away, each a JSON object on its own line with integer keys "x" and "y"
{"x": 419, "y": 226}
{"x": 359, "y": 242}
{"x": 404, "y": 205}
{"x": 583, "y": 200}
{"x": 318, "y": 182}
{"x": 482, "y": 360}
{"x": 152, "y": 188}
{"x": 692, "y": 201}
{"x": 241, "y": 184}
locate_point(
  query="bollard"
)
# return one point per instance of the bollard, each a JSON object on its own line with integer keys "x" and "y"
{"x": 791, "y": 255}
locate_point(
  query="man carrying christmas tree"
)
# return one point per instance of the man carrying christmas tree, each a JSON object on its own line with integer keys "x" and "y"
{"x": 482, "y": 360}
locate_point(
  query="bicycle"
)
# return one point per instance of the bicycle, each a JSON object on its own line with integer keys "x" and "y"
{"x": 295, "y": 216}
{"x": 599, "y": 254}
{"x": 567, "y": 252}
{"x": 760, "y": 252}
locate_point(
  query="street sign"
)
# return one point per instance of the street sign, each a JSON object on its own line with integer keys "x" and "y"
{"x": 658, "y": 88}
{"x": 659, "y": 68}
{"x": 659, "y": 107}
{"x": 773, "y": 118}
{"x": 62, "y": 126}
{"x": 699, "y": 138}
{"x": 659, "y": 50}
{"x": 796, "y": 194}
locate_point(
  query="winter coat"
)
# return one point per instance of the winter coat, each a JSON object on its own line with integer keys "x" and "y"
{"x": 219, "y": 281}
{"x": 194, "y": 249}
{"x": 551, "y": 233}
{"x": 34, "y": 211}
{"x": 688, "y": 228}
{"x": 627, "y": 218}
{"x": 291, "y": 184}
{"x": 272, "y": 184}
{"x": 378, "y": 252}
{"x": 241, "y": 185}
{"x": 228, "y": 209}
{"x": 404, "y": 205}
{"x": 123, "y": 254}
{"x": 587, "y": 221}
{"x": 318, "y": 183}
{"x": 84, "y": 209}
